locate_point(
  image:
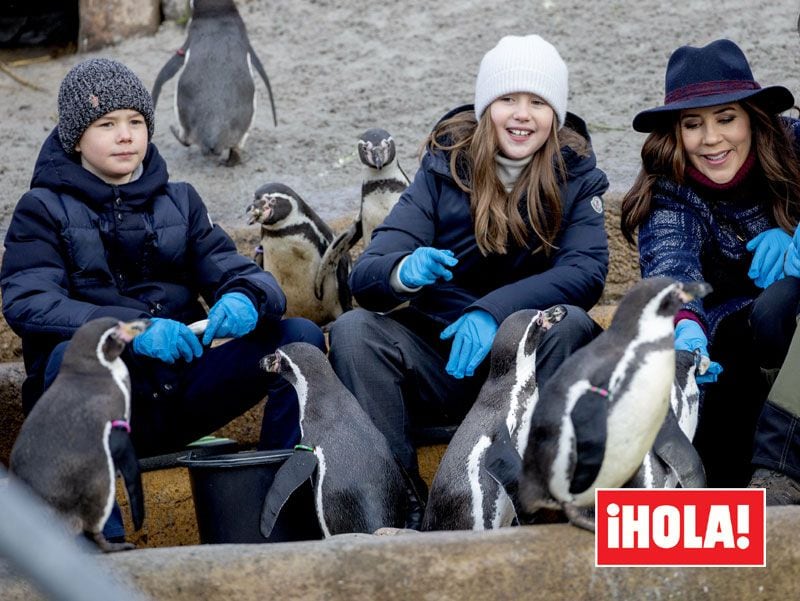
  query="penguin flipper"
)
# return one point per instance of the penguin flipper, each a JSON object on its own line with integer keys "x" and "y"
{"x": 127, "y": 464}
{"x": 260, "y": 68}
{"x": 335, "y": 252}
{"x": 294, "y": 472}
{"x": 676, "y": 450}
{"x": 504, "y": 465}
{"x": 170, "y": 68}
{"x": 590, "y": 421}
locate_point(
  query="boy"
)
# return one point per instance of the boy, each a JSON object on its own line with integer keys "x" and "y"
{"x": 103, "y": 232}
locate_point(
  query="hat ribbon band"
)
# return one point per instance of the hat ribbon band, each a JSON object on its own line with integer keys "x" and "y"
{"x": 708, "y": 88}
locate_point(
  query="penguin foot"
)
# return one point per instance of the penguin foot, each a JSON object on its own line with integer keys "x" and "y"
{"x": 234, "y": 157}
{"x": 582, "y": 517}
{"x": 109, "y": 547}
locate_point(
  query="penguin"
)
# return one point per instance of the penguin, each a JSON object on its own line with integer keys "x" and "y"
{"x": 383, "y": 181}
{"x": 76, "y": 438}
{"x": 673, "y": 461}
{"x": 601, "y": 410}
{"x": 215, "y": 100}
{"x": 293, "y": 240}
{"x": 358, "y": 485}
{"x": 465, "y": 493}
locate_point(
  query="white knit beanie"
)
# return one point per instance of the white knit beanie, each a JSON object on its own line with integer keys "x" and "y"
{"x": 523, "y": 64}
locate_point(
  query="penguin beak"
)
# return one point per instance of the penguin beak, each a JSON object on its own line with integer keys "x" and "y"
{"x": 377, "y": 157}
{"x": 688, "y": 291}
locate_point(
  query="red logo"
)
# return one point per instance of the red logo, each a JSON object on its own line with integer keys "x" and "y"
{"x": 680, "y": 527}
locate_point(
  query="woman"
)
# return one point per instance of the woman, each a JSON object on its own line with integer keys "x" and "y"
{"x": 505, "y": 213}
{"x": 717, "y": 199}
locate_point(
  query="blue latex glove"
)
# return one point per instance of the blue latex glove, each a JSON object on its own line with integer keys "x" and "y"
{"x": 426, "y": 265}
{"x": 232, "y": 316}
{"x": 167, "y": 340}
{"x": 473, "y": 334}
{"x": 791, "y": 266}
{"x": 769, "y": 250}
{"x": 689, "y": 336}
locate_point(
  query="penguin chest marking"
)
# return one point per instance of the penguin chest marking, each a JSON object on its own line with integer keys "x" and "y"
{"x": 319, "y": 496}
{"x": 474, "y": 462}
{"x": 119, "y": 374}
{"x": 112, "y": 477}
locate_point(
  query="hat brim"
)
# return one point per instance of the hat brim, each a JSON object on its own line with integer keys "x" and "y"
{"x": 773, "y": 99}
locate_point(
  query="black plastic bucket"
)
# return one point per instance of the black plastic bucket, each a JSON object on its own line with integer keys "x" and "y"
{"x": 229, "y": 492}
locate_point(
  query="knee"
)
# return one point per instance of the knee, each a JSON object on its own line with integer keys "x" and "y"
{"x": 299, "y": 329}
{"x": 352, "y": 328}
{"x": 54, "y": 363}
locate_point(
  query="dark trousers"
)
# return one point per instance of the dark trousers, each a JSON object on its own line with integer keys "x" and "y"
{"x": 172, "y": 405}
{"x": 395, "y": 366}
{"x": 748, "y": 344}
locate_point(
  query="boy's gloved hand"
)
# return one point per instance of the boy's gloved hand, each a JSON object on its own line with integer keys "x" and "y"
{"x": 791, "y": 266}
{"x": 689, "y": 336}
{"x": 769, "y": 249}
{"x": 232, "y": 316}
{"x": 426, "y": 265}
{"x": 167, "y": 340}
{"x": 474, "y": 333}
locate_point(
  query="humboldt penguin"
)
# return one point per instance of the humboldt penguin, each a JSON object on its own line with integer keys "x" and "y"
{"x": 465, "y": 493}
{"x": 76, "y": 438}
{"x": 358, "y": 485}
{"x": 293, "y": 240}
{"x": 215, "y": 100}
{"x": 601, "y": 410}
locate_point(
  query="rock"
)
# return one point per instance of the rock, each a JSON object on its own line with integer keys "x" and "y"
{"x": 104, "y": 22}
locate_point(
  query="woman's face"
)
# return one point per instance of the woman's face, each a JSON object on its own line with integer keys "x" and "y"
{"x": 522, "y": 123}
{"x": 717, "y": 139}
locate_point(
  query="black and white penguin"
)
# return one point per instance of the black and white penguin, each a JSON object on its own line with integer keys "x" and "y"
{"x": 383, "y": 181}
{"x": 465, "y": 494}
{"x": 293, "y": 240}
{"x": 358, "y": 485}
{"x": 215, "y": 100}
{"x": 673, "y": 461}
{"x": 76, "y": 438}
{"x": 601, "y": 410}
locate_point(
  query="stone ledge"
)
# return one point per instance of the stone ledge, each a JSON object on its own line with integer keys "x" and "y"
{"x": 552, "y": 562}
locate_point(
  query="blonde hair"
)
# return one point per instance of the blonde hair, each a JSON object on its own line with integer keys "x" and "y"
{"x": 498, "y": 215}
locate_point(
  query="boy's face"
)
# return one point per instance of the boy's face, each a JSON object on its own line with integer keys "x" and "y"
{"x": 114, "y": 146}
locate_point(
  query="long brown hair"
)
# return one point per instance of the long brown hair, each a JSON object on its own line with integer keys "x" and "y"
{"x": 497, "y": 216}
{"x": 663, "y": 155}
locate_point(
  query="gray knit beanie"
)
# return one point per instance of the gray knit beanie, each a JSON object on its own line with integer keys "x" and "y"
{"x": 523, "y": 64}
{"x": 95, "y": 88}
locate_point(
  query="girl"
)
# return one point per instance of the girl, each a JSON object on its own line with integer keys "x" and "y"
{"x": 716, "y": 199}
{"x": 505, "y": 213}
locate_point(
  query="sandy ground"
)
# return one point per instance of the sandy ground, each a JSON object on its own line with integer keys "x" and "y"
{"x": 339, "y": 67}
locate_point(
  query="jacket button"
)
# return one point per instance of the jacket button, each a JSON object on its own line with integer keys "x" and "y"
{"x": 155, "y": 395}
{"x": 119, "y": 216}
{"x": 117, "y": 201}
{"x": 167, "y": 387}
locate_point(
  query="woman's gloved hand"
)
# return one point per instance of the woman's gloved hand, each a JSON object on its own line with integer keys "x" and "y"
{"x": 426, "y": 265}
{"x": 791, "y": 266}
{"x": 232, "y": 316}
{"x": 769, "y": 250}
{"x": 689, "y": 336}
{"x": 473, "y": 334}
{"x": 167, "y": 340}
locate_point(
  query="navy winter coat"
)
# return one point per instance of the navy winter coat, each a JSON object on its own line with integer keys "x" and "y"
{"x": 434, "y": 211}
{"x": 78, "y": 248}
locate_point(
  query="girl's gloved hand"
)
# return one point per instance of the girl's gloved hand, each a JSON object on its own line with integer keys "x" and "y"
{"x": 232, "y": 316}
{"x": 473, "y": 334}
{"x": 769, "y": 250}
{"x": 167, "y": 340}
{"x": 426, "y": 265}
{"x": 689, "y": 336}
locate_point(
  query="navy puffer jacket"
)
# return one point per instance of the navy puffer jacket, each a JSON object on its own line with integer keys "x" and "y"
{"x": 78, "y": 248}
{"x": 434, "y": 211}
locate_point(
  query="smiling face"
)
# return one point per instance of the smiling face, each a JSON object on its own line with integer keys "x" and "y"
{"x": 717, "y": 140}
{"x": 522, "y": 123}
{"x": 114, "y": 145}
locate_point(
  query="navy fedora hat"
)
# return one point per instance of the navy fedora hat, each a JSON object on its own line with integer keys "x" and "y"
{"x": 714, "y": 74}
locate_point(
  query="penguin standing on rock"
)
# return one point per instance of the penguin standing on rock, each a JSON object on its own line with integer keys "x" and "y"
{"x": 601, "y": 410}
{"x": 215, "y": 100}
{"x": 358, "y": 485}
{"x": 382, "y": 184}
{"x": 465, "y": 494}
{"x": 293, "y": 240}
{"x": 76, "y": 437}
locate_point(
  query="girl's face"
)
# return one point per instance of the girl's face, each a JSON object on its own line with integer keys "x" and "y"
{"x": 717, "y": 139}
{"x": 114, "y": 145}
{"x": 522, "y": 123}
